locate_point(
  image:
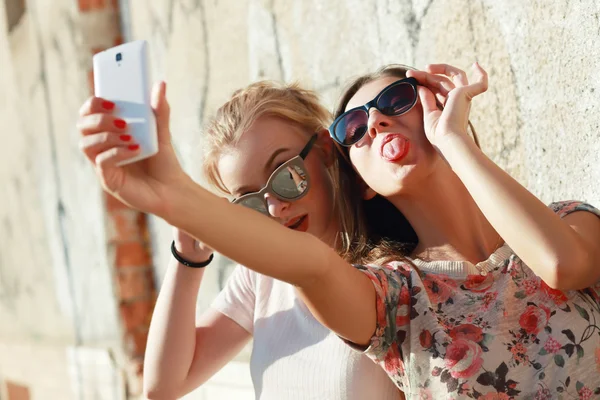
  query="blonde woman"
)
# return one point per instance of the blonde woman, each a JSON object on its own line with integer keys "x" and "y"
{"x": 268, "y": 136}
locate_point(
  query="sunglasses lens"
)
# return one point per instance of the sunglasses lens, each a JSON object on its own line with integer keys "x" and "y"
{"x": 397, "y": 99}
{"x": 254, "y": 203}
{"x": 290, "y": 182}
{"x": 352, "y": 127}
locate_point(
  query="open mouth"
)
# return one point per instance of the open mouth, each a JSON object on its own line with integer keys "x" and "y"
{"x": 394, "y": 147}
{"x": 299, "y": 224}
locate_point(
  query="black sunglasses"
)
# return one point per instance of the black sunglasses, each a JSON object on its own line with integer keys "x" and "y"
{"x": 395, "y": 99}
{"x": 289, "y": 182}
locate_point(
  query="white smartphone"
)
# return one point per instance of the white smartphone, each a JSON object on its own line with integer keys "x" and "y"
{"x": 122, "y": 75}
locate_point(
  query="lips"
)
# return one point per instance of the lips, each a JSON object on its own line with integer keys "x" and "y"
{"x": 394, "y": 147}
{"x": 298, "y": 223}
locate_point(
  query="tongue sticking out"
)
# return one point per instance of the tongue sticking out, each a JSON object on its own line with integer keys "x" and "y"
{"x": 394, "y": 149}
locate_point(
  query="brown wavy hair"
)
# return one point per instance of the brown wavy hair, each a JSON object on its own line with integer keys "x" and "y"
{"x": 389, "y": 235}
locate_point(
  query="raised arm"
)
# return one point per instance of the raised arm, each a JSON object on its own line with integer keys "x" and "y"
{"x": 563, "y": 252}
{"x": 181, "y": 353}
{"x": 340, "y": 297}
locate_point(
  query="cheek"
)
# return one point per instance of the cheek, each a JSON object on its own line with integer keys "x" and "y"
{"x": 361, "y": 160}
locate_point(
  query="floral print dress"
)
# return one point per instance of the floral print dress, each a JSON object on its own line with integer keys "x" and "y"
{"x": 493, "y": 330}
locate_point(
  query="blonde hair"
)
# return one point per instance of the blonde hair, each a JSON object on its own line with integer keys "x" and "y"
{"x": 299, "y": 107}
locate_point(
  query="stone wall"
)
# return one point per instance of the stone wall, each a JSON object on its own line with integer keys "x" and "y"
{"x": 75, "y": 292}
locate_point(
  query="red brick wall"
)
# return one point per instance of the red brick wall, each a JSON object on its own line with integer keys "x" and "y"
{"x": 128, "y": 238}
{"x": 14, "y": 391}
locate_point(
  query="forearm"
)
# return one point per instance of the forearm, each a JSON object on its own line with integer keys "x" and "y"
{"x": 537, "y": 235}
{"x": 338, "y": 295}
{"x": 172, "y": 336}
{"x": 246, "y": 236}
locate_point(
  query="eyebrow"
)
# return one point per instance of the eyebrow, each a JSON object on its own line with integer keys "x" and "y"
{"x": 267, "y": 167}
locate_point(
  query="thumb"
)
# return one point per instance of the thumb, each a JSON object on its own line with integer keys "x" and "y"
{"x": 162, "y": 111}
{"x": 427, "y": 100}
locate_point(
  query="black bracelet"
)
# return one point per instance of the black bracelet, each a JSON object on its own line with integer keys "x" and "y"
{"x": 189, "y": 263}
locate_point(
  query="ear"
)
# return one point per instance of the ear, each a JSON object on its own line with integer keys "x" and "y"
{"x": 326, "y": 146}
{"x": 368, "y": 193}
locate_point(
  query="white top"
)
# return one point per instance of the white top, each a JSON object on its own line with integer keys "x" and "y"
{"x": 293, "y": 355}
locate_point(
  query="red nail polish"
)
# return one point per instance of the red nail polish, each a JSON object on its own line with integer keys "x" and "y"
{"x": 119, "y": 123}
{"x": 108, "y": 105}
{"x": 125, "y": 138}
{"x": 133, "y": 147}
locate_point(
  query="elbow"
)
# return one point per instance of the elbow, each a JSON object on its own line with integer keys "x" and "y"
{"x": 569, "y": 273}
{"x": 156, "y": 391}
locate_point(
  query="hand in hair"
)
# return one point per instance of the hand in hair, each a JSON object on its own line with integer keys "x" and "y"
{"x": 450, "y": 86}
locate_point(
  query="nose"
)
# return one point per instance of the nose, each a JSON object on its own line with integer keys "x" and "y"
{"x": 276, "y": 207}
{"x": 377, "y": 122}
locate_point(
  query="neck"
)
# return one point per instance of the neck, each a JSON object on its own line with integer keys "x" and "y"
{"x": 449, "y": 224}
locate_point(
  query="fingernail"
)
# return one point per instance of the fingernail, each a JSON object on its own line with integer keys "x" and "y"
{"x": 125, "y": 138}
{"x": 133, "y": 147}
{"x": 119, "y": 123}
{"x": 108, "y": 105}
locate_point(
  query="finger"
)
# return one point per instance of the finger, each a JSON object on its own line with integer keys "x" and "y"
{"x": 458, "y": 76}
{"x": 162, "y": 111}
{"x": 479, "y": 86}
{"x": 427, "y": 100}
{"x": 92, "y": 145}
{"x": 480, "y": 77}
{"x": 441, "y": 100}
{"x": 95, "y": 105}
{"x": 438, "y": 83}
{"x": 112, "y": 157}
{"x": 100, "y": 122}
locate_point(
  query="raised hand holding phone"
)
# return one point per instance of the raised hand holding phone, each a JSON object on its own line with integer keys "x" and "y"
{"x": 106, "y": 142}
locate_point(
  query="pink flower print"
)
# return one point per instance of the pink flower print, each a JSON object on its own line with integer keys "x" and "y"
{"x": 585, "y": 393}
{"x": 425, "y": 394}
{"x": 463, "y": 358}
{"x": 439, "y": 288}
{"x": 478, "y": 283}
{"x": 468, "y": 332}
{"x": 393, "y": 363}
{"x": 543, "y": 394}
{"x": 534, "y": 319}
{"x": 557, "y": 296}
{"x": 552, "y": 346}
{"x": 404, "y": 306}
{"x": 598, "y": 359}
{"x": 531, "y": 286}
{"x": 426, "y": 339}
{"x": 519, "y": 353}
{"x": 488, "y": 299}
{"x": 494, "y": 396}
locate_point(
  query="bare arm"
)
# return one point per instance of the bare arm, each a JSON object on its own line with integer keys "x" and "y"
{"x": 181, "y": 355}
{"x": 563, "y": 252}
{"x": 342, "y": 298}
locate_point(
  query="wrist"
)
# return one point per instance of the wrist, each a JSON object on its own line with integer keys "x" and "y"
{"x": 453, "y": 144}
{"x": 174, "y": 199}
{"x": 191, "y": 262}
{"x": 191, "y": 251}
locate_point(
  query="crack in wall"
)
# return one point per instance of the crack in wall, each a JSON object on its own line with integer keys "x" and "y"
{"x": 413, "y": 26}
{"x": 61, "y": 212}
{"x": 206, "y": 51}
{"x": 276, "y": 38}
